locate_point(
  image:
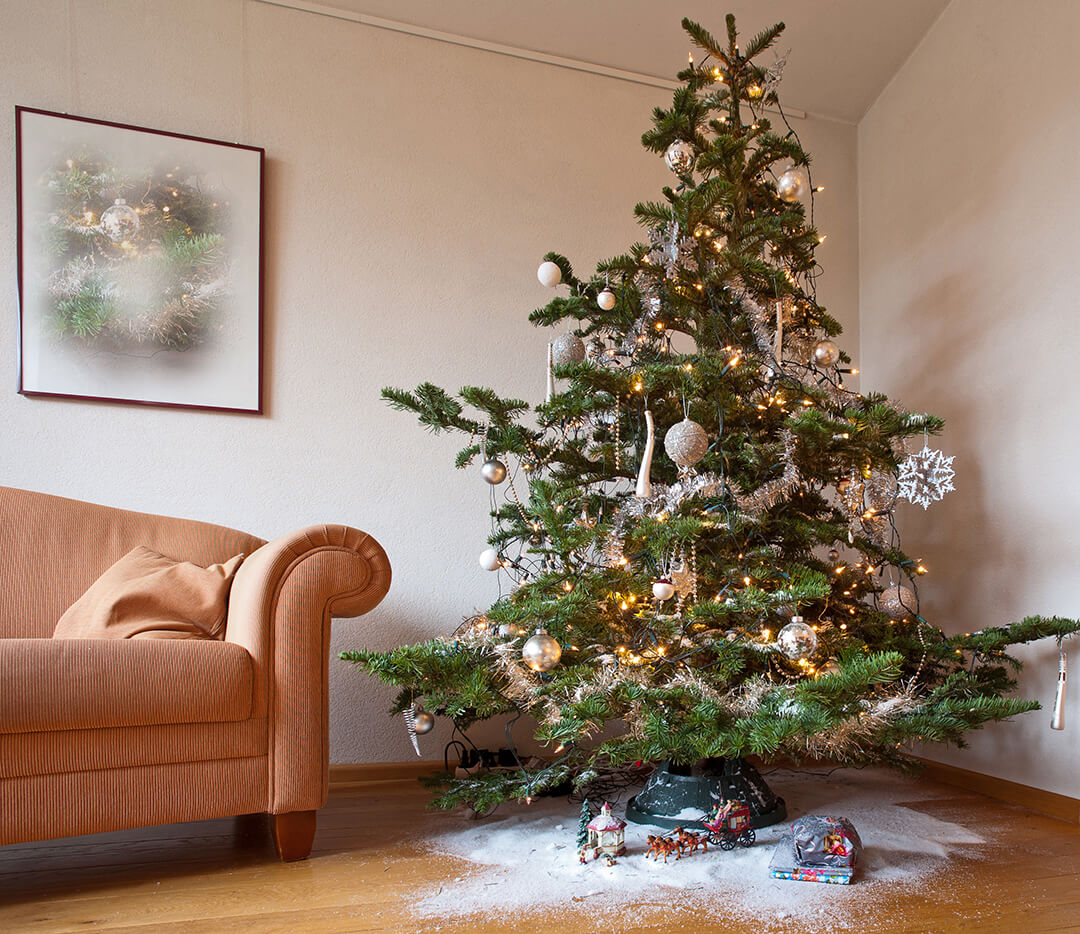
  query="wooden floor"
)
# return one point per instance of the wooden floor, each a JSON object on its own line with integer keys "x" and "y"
{"x": 369, "y": 860}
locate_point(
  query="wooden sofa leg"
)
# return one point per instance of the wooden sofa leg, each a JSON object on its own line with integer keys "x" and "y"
{"x": 293, "y": 834}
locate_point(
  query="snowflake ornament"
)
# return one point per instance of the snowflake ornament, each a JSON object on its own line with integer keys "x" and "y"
{"x": 926, "y": 477}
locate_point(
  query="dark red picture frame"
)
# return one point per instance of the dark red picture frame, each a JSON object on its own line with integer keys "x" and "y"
{"x": 22, "y": 274}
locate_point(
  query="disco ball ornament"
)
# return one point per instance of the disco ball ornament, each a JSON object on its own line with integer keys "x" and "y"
{"x": 423, "y": 722}
{"x": 796, "y": 639}
{"x": 826, "y": 353}
{"x": 791, "y": 186}
{"x": 541, "y": 652}
{"x": 119, "y": 222}
{"x": 686, "y": 442}
{"x": 493, "y": 470}
{"x": 489, "y": 559}
{"x": 549, "y": 274}
{"x": 898, "y": 602}
{"x": 679, "y": 156}
{"x": 662, "y": 589}
{"x": 606, "y": 299}
{"x": 567, "y": 348}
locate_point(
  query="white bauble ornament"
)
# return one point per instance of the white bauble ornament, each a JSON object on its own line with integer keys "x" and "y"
{"x": 679, "y": 156}
{"x": 606, "y": 299}
{"x": 791, "y": 186}
{"x": 826, "y": 353}
{"x": 898, "y": 602}
{"x": 493, "y": 470}
{"x": 663, "y": 589}
{"x": 549, "y": 274}
{"x": 490, "y": 560}
{"x": 686, "y": 442}
{"x": 541, "y": 652}
{"x": 567, "y": 348}
{"x": 423, "y": 722}
{"x": 119, "y": 222}
{"x": 796, "y": 639}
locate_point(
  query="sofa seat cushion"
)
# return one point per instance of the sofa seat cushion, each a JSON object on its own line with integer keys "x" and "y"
{"x": 72, "y": 684}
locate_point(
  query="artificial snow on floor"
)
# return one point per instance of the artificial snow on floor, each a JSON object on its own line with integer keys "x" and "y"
{"x": 525, "y": 859}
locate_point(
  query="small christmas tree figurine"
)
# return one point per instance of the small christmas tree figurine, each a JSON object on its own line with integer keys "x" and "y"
{"x": 583, "y": 825}
{"x": 739, "y": 588}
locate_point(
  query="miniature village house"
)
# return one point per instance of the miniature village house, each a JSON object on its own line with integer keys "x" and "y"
{"x": 606, "y": 834}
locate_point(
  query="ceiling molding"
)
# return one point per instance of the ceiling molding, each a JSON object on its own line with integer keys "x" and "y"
{"x": 497, "y": 48}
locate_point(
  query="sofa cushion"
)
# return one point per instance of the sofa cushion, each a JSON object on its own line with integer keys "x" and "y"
{"x": 66, "y": 684}
{"x": 146, "y": 595}
{"x": 124, "y": 747}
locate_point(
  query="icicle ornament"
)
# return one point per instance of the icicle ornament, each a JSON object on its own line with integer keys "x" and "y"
{"x": 1057, "y": 722}
{"x": 550, "y": 377}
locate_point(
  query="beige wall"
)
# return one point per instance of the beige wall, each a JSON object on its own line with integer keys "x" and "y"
{"x": 412, "y": 188}
{"x": 968, "y": 246}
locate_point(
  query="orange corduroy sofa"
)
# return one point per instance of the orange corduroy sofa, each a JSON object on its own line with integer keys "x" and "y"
{"x": 106, "y": 734}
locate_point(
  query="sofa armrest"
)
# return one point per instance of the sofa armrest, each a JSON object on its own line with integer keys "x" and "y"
{"x": 280, "y": 607}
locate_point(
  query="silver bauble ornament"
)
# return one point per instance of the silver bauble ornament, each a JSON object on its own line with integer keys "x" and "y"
{"x": 898, "y": 602}
{"x": 686, "y": 442}
{"x": 119, "y": 222}
{"x": 567, "y": 348}
{"x": 541, "y": 652}
{"x": 796, "y": 639}
{"x": 423, "y": 722}
{"x": 489, "y": 559}
{"x": 826, "y": 353}
{"x": 493, "y": 470}
{"x": 549, "y": 274}
{"x": 829, "y": 668}
{"x": 834, "y": 555}
{"x": 791, "y": 186}
{"x": 509, "y": 631}
{"x": 606, "y": 299}
{"x": 663, "y": 589}
{"x": 679, "y": 156}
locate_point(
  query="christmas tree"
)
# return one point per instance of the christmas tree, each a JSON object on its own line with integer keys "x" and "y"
{"x": 743, "y": 590}
{"x": 583, "y": 824}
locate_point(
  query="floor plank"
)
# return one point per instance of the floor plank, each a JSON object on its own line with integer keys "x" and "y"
{"x": 369, "y": 860}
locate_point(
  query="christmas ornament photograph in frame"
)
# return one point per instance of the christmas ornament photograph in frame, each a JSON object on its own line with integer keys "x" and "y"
{"x": 140, "y": 264}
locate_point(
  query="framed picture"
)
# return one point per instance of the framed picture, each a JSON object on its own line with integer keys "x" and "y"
{"x": 140, "y": 264}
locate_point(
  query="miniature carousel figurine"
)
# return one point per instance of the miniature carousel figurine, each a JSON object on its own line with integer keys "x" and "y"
{"x": 606, "y": 833}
